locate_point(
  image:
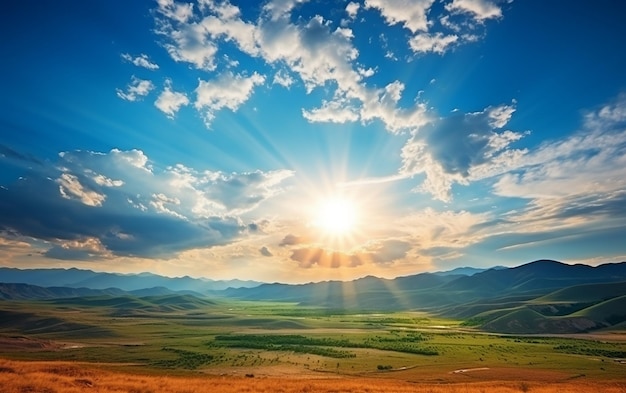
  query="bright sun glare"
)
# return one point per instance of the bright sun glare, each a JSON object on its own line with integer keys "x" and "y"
{"x": 336, "y": 216}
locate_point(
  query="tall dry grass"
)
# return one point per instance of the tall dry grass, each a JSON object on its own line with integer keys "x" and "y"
{"x": 66, "y": 377}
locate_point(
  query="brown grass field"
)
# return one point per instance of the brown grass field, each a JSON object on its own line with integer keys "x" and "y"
{"x": 71, "y": 377}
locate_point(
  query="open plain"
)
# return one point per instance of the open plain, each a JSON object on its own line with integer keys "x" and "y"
{"x": 187, "y": 344}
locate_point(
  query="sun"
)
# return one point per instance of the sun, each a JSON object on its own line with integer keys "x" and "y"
{"x": 336, "y": 216}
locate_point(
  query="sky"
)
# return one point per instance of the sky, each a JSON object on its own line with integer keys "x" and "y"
{"x": 303, "y": 140}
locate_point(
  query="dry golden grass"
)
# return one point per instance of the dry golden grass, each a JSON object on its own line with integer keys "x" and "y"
{"x": 62, "y": 377}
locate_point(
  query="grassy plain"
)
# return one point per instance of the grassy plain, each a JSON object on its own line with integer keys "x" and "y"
{"x": 187, "y": 344}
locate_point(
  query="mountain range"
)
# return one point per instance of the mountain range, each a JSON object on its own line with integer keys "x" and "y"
{"x": 543, "y": 296}
{"x": 78, "y": 278}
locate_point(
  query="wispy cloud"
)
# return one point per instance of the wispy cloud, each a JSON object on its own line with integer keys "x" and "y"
{"x": 136, "y": 89}
{"x": 140, "y": 61}
{"x": 382, "y": 252}
{"x": 478, "y": 9}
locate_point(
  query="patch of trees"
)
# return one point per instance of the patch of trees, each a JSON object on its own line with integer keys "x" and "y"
{"x": 590, "y": 351}
{"x": 290, "y": 343}
{"x": 324, "y": 346}
{"x": 186, "y": 359}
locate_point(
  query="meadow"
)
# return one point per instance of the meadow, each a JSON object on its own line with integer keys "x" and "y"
{"x": 186, "y": 344}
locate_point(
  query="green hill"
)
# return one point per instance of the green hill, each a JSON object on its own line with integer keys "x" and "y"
{"x": 611, "y": 311}
{"x": 585, "y": 293}
{"x": 30, "y": 323}
{"x": 521, "y": 320}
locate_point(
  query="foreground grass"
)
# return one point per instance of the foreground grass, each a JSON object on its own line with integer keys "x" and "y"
{"x": 69, "y": 377}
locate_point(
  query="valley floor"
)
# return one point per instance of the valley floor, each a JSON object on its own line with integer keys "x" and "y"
{"x": 113, "y": 345}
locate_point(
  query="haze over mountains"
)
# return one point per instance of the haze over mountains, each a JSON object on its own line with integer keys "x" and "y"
{"x": 539, "y": 297}
{"x": 77, "y": 278}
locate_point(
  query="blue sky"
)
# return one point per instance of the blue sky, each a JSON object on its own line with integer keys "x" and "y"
{"x": 297, "y": 141}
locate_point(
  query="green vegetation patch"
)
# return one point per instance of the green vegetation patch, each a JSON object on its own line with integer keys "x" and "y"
{"x": 323, "y": 346}
{"x": 591, "y": 349}
{"x": 186, "y": 359}
{"x": 290, "y": 342}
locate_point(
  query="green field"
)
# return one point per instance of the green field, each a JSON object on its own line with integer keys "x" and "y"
{"x": 185, "y": 334}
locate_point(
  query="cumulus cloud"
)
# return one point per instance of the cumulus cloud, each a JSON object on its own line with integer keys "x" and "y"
{"x": 169, "y": 101}
{"x": 310, "y": 49}
{"x": 412, "y": 14}
{"x": 180, "y": 12}
{"x": 437, "y": 42}
{"x": 460, "y": 148}
{"x": 352, "y": 9}
{"x": 117, "y": 204}
{"x": 136, "y": 89}
{"x": 457, "y": 30}
{"x": 479, "y": 9}
{"x": 78, "y": 250}
{"x": 278, "y": 9}
{"x": 140, "y": 61}
{"x": 332, "y": 112}
{"x": 564, "y": 188}
{"x": 282, "y": 78}
{"x": 226, "y": 91}
{"x": 71, "y": 188}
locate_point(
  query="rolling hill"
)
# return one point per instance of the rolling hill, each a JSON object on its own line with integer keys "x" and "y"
{"x": 539, "y": 297}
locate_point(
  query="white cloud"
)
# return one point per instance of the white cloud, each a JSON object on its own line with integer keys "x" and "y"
{"x": 227, "y": 91}
{"x": 136, "y": 89}
{"x": 382, "y": 104}
{"x": 438, "y": 43}
{"x": 231, "y": 29}
{"x": 140, "y": 61}
{"x": 278, "y": 9}
{"x": 180, "y": 12}
{"x": 321, "y": 55}
{"x": 589, "y": 162}
{"x": 132, "y": 208}
{"x": 499, "y": 116}
{"x": 106, "y": 182}
{"x": 71, "y": 188}
{"x": 282, "y": 78}
{"x": 169, "y": 101}
{"x": 332, "y": 111}
{"x": 201, "y": 55}
{"x": 366, "y": 73}
{"x": 459, "y": 149}
{"x": 448, "y": 24}
{"x": 412, "y": 14}
{"x": 87, "y": 248}
{"x": 352, "y": 8}
{"x": 312, "y": 51}
{"x": 479, "y": 9}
